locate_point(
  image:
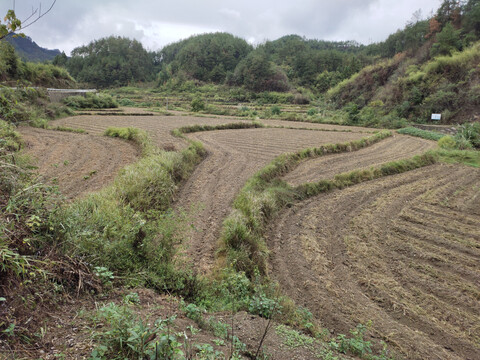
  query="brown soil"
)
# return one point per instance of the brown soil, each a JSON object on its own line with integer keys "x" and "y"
{"x": 391, "y": 149}
{"x": 402, "y": 251}
{"x": 79, "y": 163}
{"x": 234, "y": 156}
{"x": 159, "y": 126}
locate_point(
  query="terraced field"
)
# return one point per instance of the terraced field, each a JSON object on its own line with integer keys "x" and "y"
{"x": 402, "y": 251}
{"x": 326, "y": 167}
{"x": 79, "y": 163}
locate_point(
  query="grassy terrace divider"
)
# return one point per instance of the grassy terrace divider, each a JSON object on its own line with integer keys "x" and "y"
{"x": 128, "y": 226}
{"x": 198, "y": 128}
{"x": 424, "y": 134}
{"x": 264, "y": 194}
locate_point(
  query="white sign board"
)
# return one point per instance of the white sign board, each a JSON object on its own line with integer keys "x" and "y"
{"x": 436, "y": 116}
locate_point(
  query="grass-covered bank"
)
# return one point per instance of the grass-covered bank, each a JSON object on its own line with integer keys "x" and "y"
{"x": 128, "y": 227}
{"x": 262, "y": 196}
{"x": 122, "y": 235}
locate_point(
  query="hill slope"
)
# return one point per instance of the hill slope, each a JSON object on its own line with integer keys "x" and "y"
{"x": 28, "y": 49}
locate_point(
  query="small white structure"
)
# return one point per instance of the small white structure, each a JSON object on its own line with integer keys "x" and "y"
{"x": 437, "y": 117}
{"x": 56, "y": 95}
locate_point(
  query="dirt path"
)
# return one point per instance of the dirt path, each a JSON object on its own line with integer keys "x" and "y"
{"x": 80, "y": 163}
{"x": 391, "y": 149}
{"x": 402, "y": 251}
{"x": 234, "y": 156}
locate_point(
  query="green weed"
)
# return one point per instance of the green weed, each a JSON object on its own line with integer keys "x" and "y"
{"x": 424, "y": 134}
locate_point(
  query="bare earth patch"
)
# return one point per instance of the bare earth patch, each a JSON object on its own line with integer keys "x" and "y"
{"x": 79, "y": 163}
{"x": 402, "y": 251}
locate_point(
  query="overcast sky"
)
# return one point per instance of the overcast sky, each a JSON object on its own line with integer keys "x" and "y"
{"x": 156, "y": 23}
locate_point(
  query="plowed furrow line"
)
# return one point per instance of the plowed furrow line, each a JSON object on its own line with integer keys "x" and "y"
{"x": 354, "y": 254}
{"x": 445, "y": 214}
{"x": 434, "y": 240}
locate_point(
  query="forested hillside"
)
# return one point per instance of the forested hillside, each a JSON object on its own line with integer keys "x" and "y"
{"x": 434, "y": 69}
{"x": 28, "y": 50}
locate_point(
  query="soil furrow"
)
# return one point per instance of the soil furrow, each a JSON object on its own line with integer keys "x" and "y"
{"x": 336, "y": 255}
{"x": 78, "y": 163}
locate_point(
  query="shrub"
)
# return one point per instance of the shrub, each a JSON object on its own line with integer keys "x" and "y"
{"x": 469, "y": 132}
{"x": 90, "y": 101}
{"x": 197, "y": 104}
{"x": 447, "y": 142}
{"x": 275, "y": 110}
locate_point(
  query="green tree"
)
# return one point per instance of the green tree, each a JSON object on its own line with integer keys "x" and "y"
{"x": 207, "y": 57}
{"x": 8, "y": 61}
{"x": 10, "y": 25}
{"x": 471, "y": 20}
{"x": 112, "y": 61}
{"x": 257, "y": 73}
{"x": 447, "y": 41}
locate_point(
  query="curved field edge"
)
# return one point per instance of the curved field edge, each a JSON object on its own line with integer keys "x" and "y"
{"x": 128, "y": 226}
{"x": 405, "y": 245}
{"x": 262, "y": 196}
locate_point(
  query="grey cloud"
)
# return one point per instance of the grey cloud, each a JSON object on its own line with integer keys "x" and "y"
{"x": 73, "y": 22}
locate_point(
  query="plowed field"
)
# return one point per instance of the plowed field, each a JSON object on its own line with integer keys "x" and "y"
{"x": 79, "y": 163}
{"x": 235, "y": 155}
{"x": 402, "y": 251}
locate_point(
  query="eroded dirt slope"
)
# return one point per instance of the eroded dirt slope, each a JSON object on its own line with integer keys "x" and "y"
{"x": 79, "y": 163}
{"x": 402, "y": 251}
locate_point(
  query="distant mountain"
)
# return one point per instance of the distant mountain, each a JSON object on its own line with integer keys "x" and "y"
{"x": 28, "y": 49}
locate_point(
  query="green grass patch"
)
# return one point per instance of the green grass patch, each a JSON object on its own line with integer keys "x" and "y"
{"x": 424, "y": 134}
{"x": 231, "y": 126}
{"x": 466, "y": 157}
{"x": 128, "y": 227}
{"x": 44, "y": 124}
{"x": 138, "y": 136}
{"x": 91, "y": 101}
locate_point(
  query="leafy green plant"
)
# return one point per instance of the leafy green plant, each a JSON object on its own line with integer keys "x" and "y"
{"x": 90, "y": 101}
{"x": 127, "y": 336}
{"x": 468, "y": 133}
{"x": 275, "y": 110}
{"x": 194, "y": 312}
{"x": 447, "y": 142}
{"x": 197, "y": 104}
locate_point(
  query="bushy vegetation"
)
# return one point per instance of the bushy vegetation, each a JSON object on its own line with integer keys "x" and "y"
{"x": 28, "y": 104}
{"x": 112, "y": 61}
{"x": 425, "y": 134}
{"x": 206, "y": 58}
{"x": 15, "y": 71}
{"x": 466, "y": 138}
{"x": 90, "y": 101}
{"x": 432, "y": 70}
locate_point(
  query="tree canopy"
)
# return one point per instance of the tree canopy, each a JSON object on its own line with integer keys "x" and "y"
{"x": 112, "y": 61}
